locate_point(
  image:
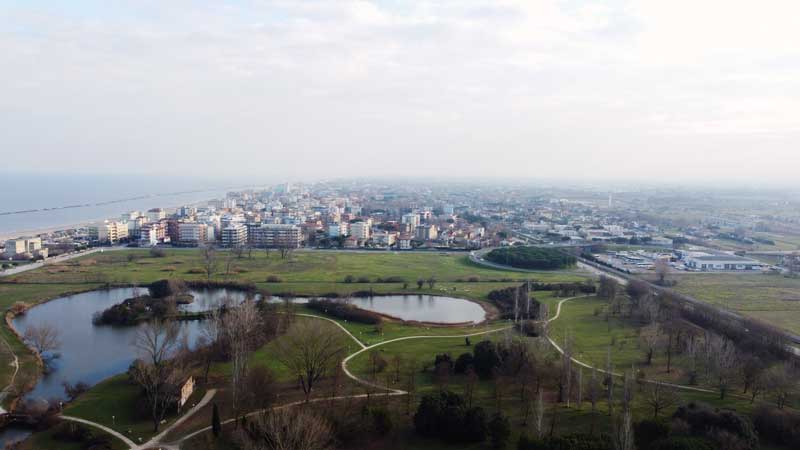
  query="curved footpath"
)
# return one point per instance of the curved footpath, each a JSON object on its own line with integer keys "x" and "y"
{"x": 155, "y": 442}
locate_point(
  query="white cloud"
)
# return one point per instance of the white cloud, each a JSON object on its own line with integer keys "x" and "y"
{"x": 303, "y": 88}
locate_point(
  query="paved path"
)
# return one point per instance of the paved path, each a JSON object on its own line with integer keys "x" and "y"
{"x": 583, "y": 364}
{"x": 57, "y": 259}
{"x": 155, "y": 440}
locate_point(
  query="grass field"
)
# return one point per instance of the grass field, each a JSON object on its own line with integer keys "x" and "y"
{"x": 772, "y": 298}
{"x": 303, "y": 267}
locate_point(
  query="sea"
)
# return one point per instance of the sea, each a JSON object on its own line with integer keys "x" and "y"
{"x": 31, "y": 202}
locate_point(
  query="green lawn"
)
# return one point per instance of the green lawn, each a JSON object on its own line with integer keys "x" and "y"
{"x": 112, "y": 403}
{"x": 45, "y": 440}
{"x": 772, "y": 298}
{"x": 304, "y": 266}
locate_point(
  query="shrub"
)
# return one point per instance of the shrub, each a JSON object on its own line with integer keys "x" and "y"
{"x": 381, "y": 421}
{"x": 567, "y": 442}
{"x": 274, "y": 279}
{"x": 475, "y": 427}
{"x": 156, "y": 252}
{"x": 778, "y": 426}
{"x": 445, "y": 415}
{"x": 363, "y": 280}
{"x": 648, "y": 431}
{"x": 349, "y": 279}
{"x": 702, "y": 420}
{"x": 18, "y": 308}
{"x": 443, "y": 358}
{"x": 344, "y": 311}
{"x": 499, "y": 430}
{"x": 473, "y": 279}
{"x": 464, "y": 361}
{"x": 392, "y": 279}
{"x": 683, "y": 443}
{"x": 167, "y": 288}
{"x": 531, "y": 328}
{"x": 485, "y": 358}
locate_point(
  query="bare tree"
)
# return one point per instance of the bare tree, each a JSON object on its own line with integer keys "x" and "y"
{"x": 660, "y": 397}
{"x": 411, "y": 386}
{"x": 43, "y": 338}
{"x": 156, "y": 342}
{"x": 229, "y": 262}
{"x": 663, "y": 270}
{"x": 781, "y": 382}
{"x": 310, "y": 350}
{"x": 623, "y": 436}
{"x": 608, "y": 288}
{"x": 649, "y": 340}
{"x": 594, "y": 395}
{"x": 538, "y": 415}
{"x": 723, "y": 359}
{"x": 239, "y": 325}
{"x": 431, "y": 282}
{"x": 287, "y": 429}
{"x": 285, "y": 251}
{"x": 209, "y": 261}
{"x": 212, "y": 332}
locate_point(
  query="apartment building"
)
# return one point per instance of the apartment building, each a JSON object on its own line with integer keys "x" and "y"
{"x": 108, "y": 232}
{"x": 25, "y": 247}
{"x": 152, "y": 233}
{"x": 275, "y": 236}
{"x": 412, "y": 219}
{"x": 338, "y": 229}
{"x": 360, "y": 230}
{"x": 192, "y": 233}
{"x": 427, "y": 232}
{"x": 234, "y": 236}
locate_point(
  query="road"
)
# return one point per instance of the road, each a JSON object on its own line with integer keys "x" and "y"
{"x": 57, "y": 259}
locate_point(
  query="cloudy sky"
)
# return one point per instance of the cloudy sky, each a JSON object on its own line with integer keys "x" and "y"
{"x": 648, "y": 89}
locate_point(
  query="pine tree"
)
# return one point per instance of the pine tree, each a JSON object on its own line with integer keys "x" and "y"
{"x": 216, "y": 425}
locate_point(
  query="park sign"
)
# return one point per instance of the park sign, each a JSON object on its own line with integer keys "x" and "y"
{"x": 186, "y": 391}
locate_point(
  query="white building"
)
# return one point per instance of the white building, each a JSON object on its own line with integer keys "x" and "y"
{"x": 25, "y": 246}
{"x": 337, "y": 229}
{"x": 360, "y": 230}
{"x": 108, "y": 231}
{"x": 723, "y": 262}
{"x": 404, "y": 243}
{"x": 412, "y": 219}
{"x": 192, "y": 233}
{"x": 156, "y": 214}
{"x": 276, "y": 236}
{"x": 234, "y": 236}
{"x": 384, "y": 238}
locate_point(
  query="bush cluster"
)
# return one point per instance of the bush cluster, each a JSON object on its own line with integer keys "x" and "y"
{"x": 446, "y": 416}
{"x": 535, "y": 258}
{"x": 345, "y": 311}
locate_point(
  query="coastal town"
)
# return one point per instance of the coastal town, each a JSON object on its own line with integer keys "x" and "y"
{"x": 367, "y": 216}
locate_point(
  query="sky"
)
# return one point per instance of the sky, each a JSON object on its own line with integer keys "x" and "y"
{"x": 651, "y": 89}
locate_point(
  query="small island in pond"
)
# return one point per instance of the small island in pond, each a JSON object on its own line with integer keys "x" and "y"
{"x": 161, "y": 301}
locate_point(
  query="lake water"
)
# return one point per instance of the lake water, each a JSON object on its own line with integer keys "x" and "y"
{"x": 420, "y": 308}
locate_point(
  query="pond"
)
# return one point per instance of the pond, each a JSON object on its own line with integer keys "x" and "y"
{"x": 90, "y": 353}
{"x": 420, "y": 308}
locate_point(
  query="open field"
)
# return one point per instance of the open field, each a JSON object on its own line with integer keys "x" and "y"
{"x": 303, "y": 267}
{"x": 772, "y": 298}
